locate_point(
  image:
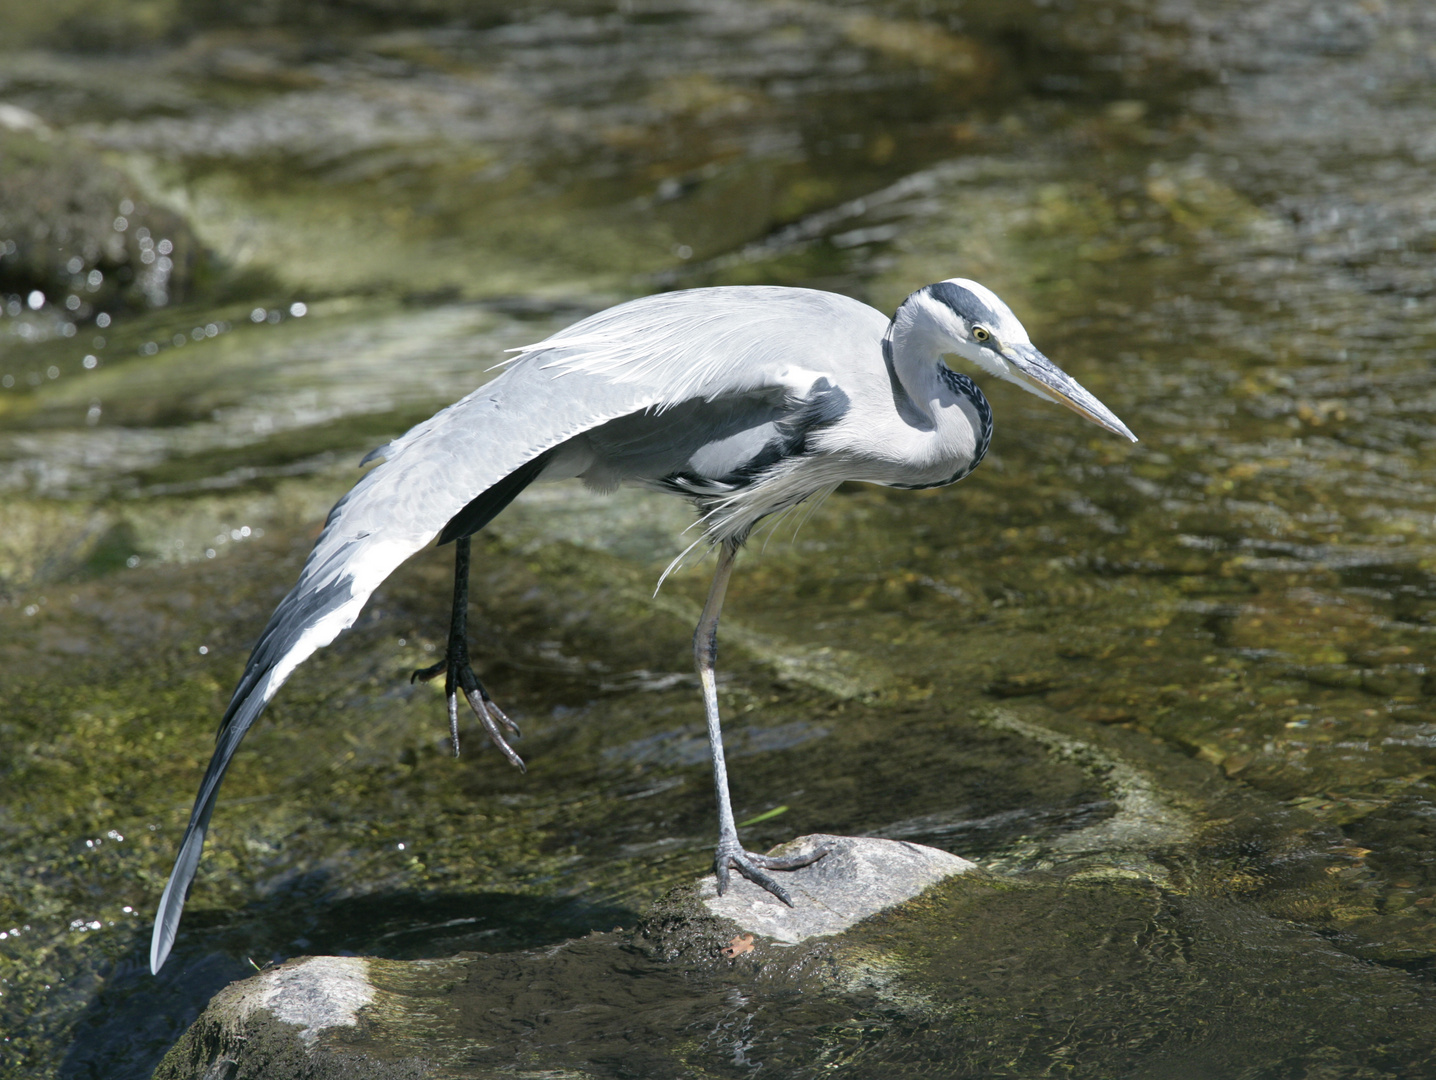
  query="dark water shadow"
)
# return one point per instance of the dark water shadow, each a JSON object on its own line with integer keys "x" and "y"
{"x": 130, "y": 1024}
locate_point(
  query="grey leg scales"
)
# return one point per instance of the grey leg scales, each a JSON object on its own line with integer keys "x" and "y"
{"x": 731, "y": 855}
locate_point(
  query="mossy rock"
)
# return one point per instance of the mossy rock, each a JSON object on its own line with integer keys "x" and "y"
{"x": 74, "y": 226}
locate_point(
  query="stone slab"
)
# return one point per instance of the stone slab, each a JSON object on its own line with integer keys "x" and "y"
{"x": 860, "y": 876}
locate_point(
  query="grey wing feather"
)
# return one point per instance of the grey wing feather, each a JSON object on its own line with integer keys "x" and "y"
{"x": 650, "y": 354}
{"x": 708, "y": 342}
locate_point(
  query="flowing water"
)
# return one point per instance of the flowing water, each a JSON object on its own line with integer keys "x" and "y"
{"x": 1175, "y": 697}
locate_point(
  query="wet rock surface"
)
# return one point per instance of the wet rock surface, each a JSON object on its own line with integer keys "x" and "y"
{"x": 271, "y": 1025}
{"x": 79, "y": 237}
{"x": 935, "y": 978}
{"x": 855, "y": 879}
{"x": 323, "y": 1016}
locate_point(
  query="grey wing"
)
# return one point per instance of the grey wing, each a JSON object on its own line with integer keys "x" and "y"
{"x": 649, "y": 355}
{"x": 710, "y": 342}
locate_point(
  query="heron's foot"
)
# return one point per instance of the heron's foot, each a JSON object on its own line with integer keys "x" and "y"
{"x": 424, "y": 674}
{"x": 731, "y": 856}
{"x": 459, "y": 678}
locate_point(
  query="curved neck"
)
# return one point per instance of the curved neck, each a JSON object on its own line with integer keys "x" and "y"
{"x": 912, "y": 350}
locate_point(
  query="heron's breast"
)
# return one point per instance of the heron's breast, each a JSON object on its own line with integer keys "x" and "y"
{"x": 880, "y": 447}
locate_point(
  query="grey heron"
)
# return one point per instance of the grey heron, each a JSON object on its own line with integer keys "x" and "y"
{"x": 746, "y": 400}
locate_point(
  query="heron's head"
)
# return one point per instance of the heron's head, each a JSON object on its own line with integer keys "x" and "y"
{"x": 973, "y": 323}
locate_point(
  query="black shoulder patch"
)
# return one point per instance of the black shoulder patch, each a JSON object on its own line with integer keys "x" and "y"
{"x": 825, "y": 404}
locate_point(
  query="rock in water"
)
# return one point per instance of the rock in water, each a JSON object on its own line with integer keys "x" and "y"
{"x": 81, "y": 234}
{"x": 271, "y": 1025}
{"x": 604, "y": 997}
{"x": 859, "y": 876}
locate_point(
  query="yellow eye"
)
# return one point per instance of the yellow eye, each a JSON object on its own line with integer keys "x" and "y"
{"x": 979, "y": 333}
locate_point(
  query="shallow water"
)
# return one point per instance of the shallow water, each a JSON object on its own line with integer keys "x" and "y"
{"x": 1175, "y": 697}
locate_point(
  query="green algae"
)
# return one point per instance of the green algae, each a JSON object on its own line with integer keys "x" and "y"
{"x": 1168, "y": 978}
{"x": 336, "y": 819}
{"x": 1250, "y": 989}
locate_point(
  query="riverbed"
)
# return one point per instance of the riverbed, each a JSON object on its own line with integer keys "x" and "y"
{"x": 1176, "y": 698}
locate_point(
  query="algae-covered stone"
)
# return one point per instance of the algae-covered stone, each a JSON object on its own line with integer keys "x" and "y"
{"x": 597, "y": 999}
{"x": 272, "y": 1025}
{"x": 79, "y": 231}
{"x": 990, "y": 976}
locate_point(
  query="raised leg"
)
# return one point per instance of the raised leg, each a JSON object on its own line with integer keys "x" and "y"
{"x": 731, "y": 855}
{"x": 458, "y": 672}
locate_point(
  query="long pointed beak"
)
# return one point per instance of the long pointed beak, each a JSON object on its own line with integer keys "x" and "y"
{"x": 1033, "y": 371}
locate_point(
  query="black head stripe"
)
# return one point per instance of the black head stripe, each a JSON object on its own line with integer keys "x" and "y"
{"x": 964, "y": 303}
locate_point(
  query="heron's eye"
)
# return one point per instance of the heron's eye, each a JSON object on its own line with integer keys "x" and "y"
{"x": 980, "y": 333}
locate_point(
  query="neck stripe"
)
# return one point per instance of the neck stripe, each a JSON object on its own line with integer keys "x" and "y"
{"x": 961, "y": 385}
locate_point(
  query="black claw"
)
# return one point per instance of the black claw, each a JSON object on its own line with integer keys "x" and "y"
{"x": 482, "y": 706}
{"x": 459, "y": 674}
{"x": 500, "y": 715}
{"x": 453, "y": 721}
{"x": 751, "y": 866}
{"x": 757, "y": 877}
{"x": 425, "y": 674}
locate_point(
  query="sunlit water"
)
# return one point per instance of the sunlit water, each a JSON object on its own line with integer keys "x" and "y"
{"x": 1175, "y": 697}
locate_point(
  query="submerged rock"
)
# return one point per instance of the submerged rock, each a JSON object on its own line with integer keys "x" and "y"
{"x": 270, "y": 1026}
{"x": 78, "y": 236}
{"x": 357, "y": 1017}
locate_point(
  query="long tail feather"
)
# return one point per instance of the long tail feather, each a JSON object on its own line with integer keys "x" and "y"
{"x": 330, "y": 594}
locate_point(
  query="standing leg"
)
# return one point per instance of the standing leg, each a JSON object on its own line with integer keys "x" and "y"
{"x": 458, "y": 672}
{"x": 731, "y": 855}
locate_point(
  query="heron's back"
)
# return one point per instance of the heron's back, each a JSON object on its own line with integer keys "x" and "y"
{"x": 713, "y": 342}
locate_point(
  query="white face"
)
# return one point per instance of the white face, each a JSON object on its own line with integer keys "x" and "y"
{"x": 983, "y": 330}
